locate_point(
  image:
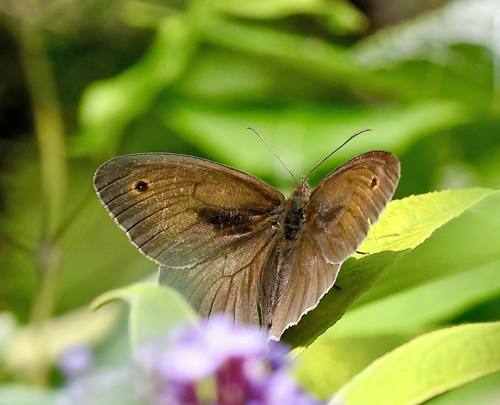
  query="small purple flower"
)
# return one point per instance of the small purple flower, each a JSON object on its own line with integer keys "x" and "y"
{"x": 200, "y": 352}
{"x": 75, "y": 360}
{"x": 244, "y": 368}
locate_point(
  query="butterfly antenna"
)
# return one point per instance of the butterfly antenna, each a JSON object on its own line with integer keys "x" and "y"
{"x": 351, "y": 137}
{"x": 275, "y": 154}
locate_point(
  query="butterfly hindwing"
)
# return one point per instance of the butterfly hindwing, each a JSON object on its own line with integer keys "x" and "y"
{"x": 311, "y": 276}
{"x": 227, "y": 282}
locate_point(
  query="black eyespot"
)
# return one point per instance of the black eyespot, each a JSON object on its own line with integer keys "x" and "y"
{"x": 141, "y": 186}
{"x": 374, "y": 182}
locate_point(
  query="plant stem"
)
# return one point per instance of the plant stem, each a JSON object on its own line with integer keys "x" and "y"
{"x": 49, "y": 130}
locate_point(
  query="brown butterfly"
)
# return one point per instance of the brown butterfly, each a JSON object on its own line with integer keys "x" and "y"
{"x": 231, "y": 243}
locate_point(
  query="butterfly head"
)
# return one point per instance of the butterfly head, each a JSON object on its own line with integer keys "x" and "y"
{"x": 304, "y": 187}
{"x": 299, "y": 197}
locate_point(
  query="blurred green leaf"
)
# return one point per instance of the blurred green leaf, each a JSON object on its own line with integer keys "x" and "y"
{"x": 307, "y": 54}
{"x": 427, "y": 366}
{"x": 108, "y": 106}
{"x": 11, "y": 394}
{"x": 153, "y": 310}
{"x": 302, "y": 133}
{"x": 342, "y": 15}
{"x": 28, "y": 346}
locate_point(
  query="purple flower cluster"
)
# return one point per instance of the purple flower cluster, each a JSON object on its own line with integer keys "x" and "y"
{"x": 220, "y": 364}
{"x": 215, "y": 364}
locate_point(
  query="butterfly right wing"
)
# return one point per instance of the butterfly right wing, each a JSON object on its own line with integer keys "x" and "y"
{"x": 339, "y": 214}
{"x": 181, "y": 211}
{"x": 309, "y": 276}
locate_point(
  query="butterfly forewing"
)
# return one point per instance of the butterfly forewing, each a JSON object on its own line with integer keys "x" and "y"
{"x": 348, "y": 200}
{"x": 179, "y": 210}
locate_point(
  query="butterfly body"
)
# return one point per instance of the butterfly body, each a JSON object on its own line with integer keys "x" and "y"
{"x": 231, "y": 243}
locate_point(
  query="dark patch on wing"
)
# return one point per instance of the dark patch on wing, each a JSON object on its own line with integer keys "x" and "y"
{"x": 321, "y": 219}
{"x": 230, "y": 221}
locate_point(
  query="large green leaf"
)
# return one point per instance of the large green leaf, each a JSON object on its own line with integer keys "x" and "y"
{"x": 406, "y": 223}
{"x": 468, "y": 242}
{"x": 418, "y": 308}
{"x": 427, "y": 366}
{"x": 153, "y": 310}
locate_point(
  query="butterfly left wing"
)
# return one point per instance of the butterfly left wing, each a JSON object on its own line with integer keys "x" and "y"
{"x": 179, "y": 210}
{"x": 339, "y": 214}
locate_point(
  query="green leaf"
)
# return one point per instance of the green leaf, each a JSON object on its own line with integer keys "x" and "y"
{"x": 417, "y": 308}
{"x": 406, "y": 223}
{"x": 153, "y": 310}
{"x": 427, "y": 366}
{"x": 402, "y": 50}
{"x": 483, "y": 391}
{"x": 26, "y": 395}
{"x": 403, "y": 225}
{"x": 343, "y": 14}
{"x": 467, "y": 242}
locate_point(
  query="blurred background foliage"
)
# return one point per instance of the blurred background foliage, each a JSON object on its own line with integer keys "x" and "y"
{"x": 84, "y": 80}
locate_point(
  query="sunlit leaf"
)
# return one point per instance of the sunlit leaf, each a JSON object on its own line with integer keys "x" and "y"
{"x": 408, "y": 222}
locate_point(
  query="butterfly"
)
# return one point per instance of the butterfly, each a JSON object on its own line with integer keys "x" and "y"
{"x": 231, "y": 243}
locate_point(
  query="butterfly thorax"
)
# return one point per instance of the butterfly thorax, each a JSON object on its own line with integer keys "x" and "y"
{"x": 295, "y": 210}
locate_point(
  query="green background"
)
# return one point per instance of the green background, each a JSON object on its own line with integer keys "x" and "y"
{"x": 83, "y": 81}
